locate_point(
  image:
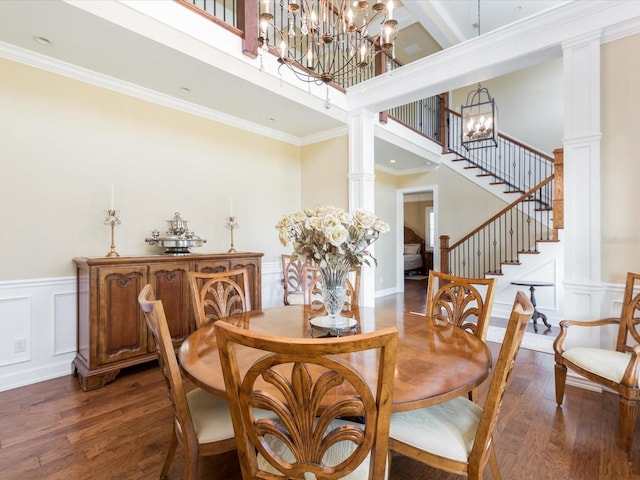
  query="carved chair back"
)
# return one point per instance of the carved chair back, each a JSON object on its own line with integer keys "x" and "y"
{"x": 311, "y": 391}
{"x": 293, "y": 280}
{"x": 219, "y": 295}
{"x": 465, "y": 302}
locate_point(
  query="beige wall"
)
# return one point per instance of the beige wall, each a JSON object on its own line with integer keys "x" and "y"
{"x": 65, "y": 142}
{"x": 385, "y": 247}
{"x": 529, "y": 104}
{"x": 325, "y": 173}
{"x": 462, "y": 205}
{"x": 620, "y": 161}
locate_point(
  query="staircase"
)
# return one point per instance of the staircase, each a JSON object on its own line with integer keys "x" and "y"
{"x": 529, "y": 181}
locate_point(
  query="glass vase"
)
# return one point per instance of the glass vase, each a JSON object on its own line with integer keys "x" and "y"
{"x": 334, "y": 288}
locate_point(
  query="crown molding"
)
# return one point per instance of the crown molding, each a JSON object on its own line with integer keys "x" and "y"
{"x": 43, "y": 62}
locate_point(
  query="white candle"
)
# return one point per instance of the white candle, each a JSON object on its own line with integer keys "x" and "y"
{"x": 112, "y": 196}
{"x": 231, "y": 207}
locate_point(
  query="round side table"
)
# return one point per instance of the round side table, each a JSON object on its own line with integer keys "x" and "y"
{"x": 532, "y": 288}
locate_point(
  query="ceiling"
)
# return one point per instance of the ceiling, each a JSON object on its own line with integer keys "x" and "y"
{"x": 87, "y": 46}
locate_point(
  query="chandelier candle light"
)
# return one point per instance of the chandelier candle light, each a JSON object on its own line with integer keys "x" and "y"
{"x": 336, "y": 241}
{"x": 325, "y": 41}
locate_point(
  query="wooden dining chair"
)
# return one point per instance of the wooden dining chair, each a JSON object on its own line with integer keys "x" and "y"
{"x": 457, "y": 436}
{"x": 313, "y": 287}
{"x": 293, "y": 280}
{"x": 311, "y": 392}
{"x": 219, "y": 295}
{"x": 202, "y": 423}
{"x": 465, "y": 302}
{"x": 616, "y": 369}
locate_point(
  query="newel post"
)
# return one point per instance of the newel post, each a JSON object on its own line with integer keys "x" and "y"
{"x": 444, "y": 127}
{"x": 444, "y": 253}
{"x": 248, "y": 21}
{"x": 558, "y": 194}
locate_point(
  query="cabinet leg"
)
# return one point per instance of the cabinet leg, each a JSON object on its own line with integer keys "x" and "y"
{"x": 92, "y": 381}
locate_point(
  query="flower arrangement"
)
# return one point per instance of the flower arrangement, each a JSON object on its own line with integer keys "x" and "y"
{"x": 329, "y": 235}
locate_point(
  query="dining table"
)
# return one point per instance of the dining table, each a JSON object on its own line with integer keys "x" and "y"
{"x": 436, "y": 361}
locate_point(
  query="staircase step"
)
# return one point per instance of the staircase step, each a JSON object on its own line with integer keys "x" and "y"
{"x": 512, "y": 191}
{"x": 469, "y": 167}
{"x": 545, "y": 209}
{"x": 548, "y": 240}
{"x": 515, "y": 262}
{"x": 485, "y": 175}
{"x": 535, "y": 252}
{"x": 498, "y": 182}
{"x": 493, "y": 273}
{"x": 461, "y": 159}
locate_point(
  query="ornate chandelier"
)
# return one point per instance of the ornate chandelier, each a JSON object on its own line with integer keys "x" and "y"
{"x": 328, "y": 41}
{"x": 478, "y": 116}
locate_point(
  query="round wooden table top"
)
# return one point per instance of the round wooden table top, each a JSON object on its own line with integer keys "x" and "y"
{"x": 434, "y": 362}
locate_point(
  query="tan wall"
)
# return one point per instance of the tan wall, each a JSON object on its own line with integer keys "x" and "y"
{"x": 462, "y": 205}
{"x": 385, "y": 247}
{"x": 65, "y": 142}
{"x": 620, "y": 162}
{"x": 325, "y": 173}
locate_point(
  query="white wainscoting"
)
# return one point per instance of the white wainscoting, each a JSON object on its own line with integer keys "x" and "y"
{"x": 38, "y": 330}
{"x": 40, "y": 315}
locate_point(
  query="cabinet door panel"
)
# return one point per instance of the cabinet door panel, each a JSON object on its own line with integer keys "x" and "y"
{"x": 121, "y": 329}
{"x": 255, "y": 279}
{"x": 171, "y": 285}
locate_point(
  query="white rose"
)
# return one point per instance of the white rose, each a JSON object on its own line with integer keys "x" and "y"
{"x": 313, "y": 223}
{"x": 299, "y": 217}
{"x": 380, "y": 226}
{"x": 329, "y": 222}
{"x": 284, "y": 237}
{"x": 364, "y": 218}
{"x": 284, "y": 222}
{"x": 338, "y": 235}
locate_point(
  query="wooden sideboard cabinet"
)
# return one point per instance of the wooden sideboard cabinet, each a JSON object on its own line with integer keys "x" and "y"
{"x": 112, "y": 333}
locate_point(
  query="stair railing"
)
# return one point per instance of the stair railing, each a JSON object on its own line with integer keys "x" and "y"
{"x": 515, "y": 165}
{"x": 534, "y": 217}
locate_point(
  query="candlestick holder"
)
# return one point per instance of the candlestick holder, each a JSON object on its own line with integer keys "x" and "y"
{"x": 232, "y": 224}
{"x": 112, "y": 218}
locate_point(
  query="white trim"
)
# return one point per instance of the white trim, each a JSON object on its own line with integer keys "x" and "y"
{"x": 32, "y": 59}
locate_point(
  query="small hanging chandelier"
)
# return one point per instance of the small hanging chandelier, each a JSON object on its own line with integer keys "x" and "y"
{"x": 327, "y": 41}
{"x": 479, "y": 120}
{"x": 478, "y": 116}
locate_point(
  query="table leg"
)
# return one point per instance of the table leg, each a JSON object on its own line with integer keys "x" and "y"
{"x": 536, "y": 313}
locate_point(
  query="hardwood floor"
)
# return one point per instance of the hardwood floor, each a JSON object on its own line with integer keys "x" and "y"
{"x": 53, "y": 430}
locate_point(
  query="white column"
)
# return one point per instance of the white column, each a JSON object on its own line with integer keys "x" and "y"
{"x": 362, "y": 184}
{"x": 581, "y": 236}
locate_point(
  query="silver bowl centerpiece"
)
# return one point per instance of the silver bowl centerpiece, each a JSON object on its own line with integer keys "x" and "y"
{"x": 178, "y": 238}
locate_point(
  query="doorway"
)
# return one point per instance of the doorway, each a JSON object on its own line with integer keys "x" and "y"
{"x": 418, "y": 210}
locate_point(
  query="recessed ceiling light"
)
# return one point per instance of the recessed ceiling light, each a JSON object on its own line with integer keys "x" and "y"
{"x": 185, "y": 90}
{"x": 392, "y": 161}
{"x": 42, "y": 40}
